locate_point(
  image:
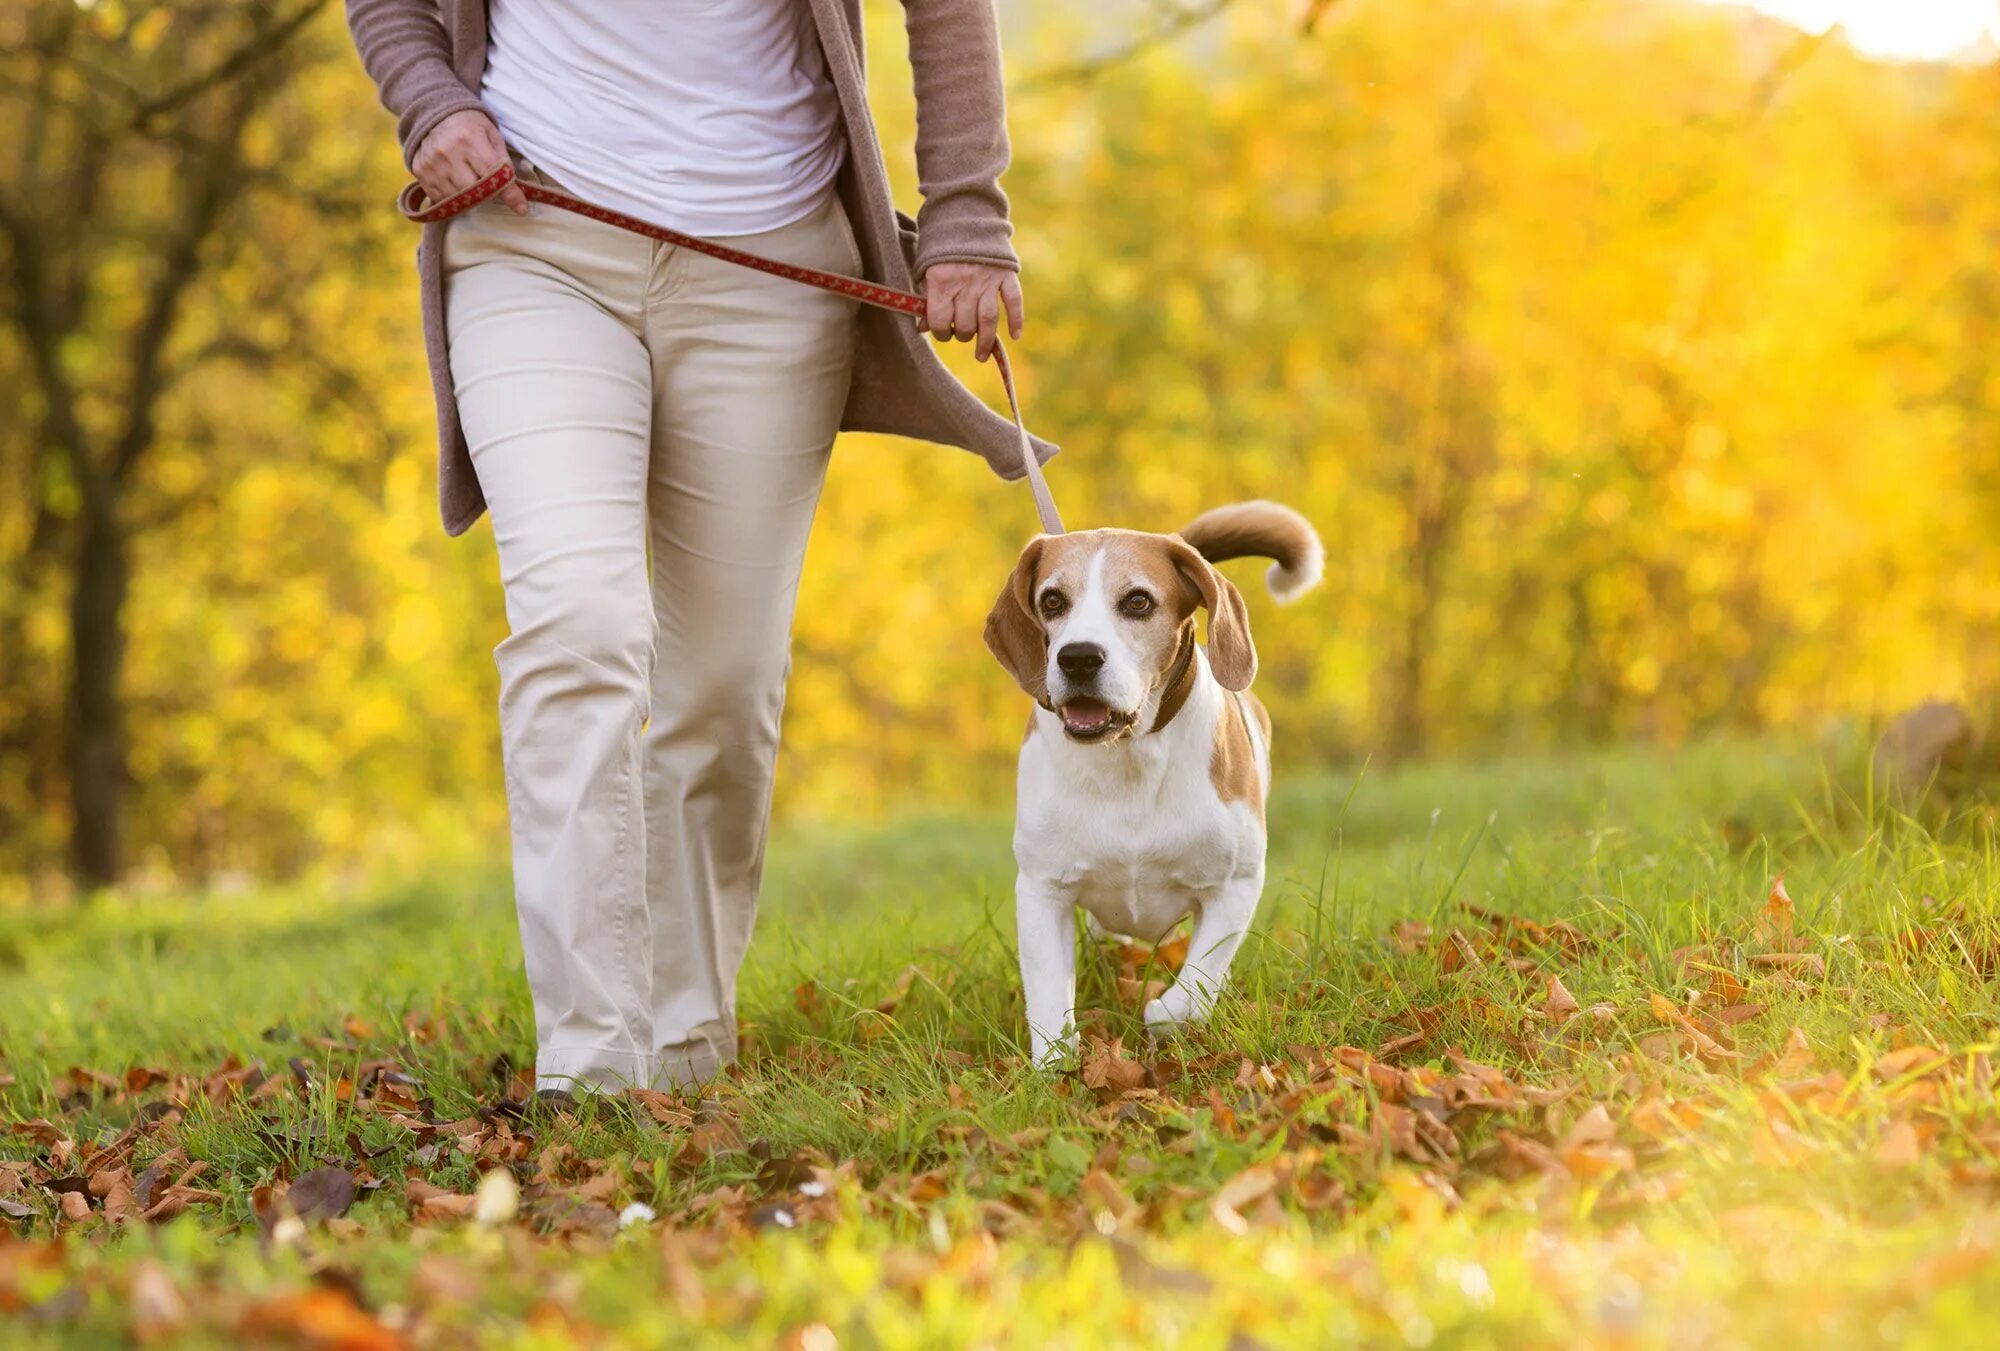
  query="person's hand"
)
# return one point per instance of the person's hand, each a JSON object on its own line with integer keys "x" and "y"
{"x": 964, "y": 301}
{"x": 460, "y": 151}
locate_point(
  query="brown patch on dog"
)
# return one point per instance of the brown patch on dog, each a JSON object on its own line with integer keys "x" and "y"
{"x": 1261, "y": 714}
{"x": 1232, "y": 766}
{"x": 1028, "y": 734}
{"x": 1013, "y": 635}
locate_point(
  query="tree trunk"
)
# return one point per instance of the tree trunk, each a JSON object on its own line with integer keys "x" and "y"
{"x": 96, "y": 736}
{"x": 1408, "y": 729}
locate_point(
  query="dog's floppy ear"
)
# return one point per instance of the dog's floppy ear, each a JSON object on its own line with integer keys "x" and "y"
{"x": 1231, "y": 654}
{"x": 1013, "y": 634}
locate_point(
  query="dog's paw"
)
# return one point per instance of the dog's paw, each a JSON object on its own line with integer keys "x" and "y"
{"x": 1162, "y": 1020}
{"x": 1059, "y": 1054}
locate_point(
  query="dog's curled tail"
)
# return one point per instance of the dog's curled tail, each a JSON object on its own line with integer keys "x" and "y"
{"x": 1262, "y": 530}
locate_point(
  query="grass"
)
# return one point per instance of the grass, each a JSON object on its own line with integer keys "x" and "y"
{"x": 1735, "y": 1132}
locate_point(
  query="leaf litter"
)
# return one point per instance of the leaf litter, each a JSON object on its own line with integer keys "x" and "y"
{"x": 1603, "y": 1103}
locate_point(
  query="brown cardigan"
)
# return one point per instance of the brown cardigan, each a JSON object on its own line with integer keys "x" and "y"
{"x": 429, "y": 58}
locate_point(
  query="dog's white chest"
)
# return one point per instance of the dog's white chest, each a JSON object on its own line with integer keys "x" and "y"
{"x": 1139, "y": 842}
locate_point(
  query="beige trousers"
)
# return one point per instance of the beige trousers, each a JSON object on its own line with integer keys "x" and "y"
{"x": 626, "y": 404}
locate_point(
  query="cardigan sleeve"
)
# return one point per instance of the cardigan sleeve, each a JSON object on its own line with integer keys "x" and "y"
{"x": 405, "y": 51}
{"x": 962, "y": 144}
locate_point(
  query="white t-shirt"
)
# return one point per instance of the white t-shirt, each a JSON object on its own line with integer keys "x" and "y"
{"x": 715, "y": 117}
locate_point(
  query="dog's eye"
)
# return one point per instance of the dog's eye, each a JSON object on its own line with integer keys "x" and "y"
{"x": 1053, "y": 603}
{"x": 1137, "y": 604}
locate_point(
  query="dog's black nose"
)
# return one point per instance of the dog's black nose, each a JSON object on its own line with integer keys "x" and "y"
{"x": 1080, "y": 661}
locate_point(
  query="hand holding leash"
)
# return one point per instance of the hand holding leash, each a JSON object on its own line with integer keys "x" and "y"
{"x": 458, "y": 153}
{"x": 964, "y": 302}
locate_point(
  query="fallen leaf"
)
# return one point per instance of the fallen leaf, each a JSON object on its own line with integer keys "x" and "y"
{"x": 1917, "y": 1060}
{"x": 1900, "y": 1146}
{"x": 1252, "y": 1183}
{"x": 1109, "y": 1072}
{"x": 1793, "y": 963}
{"x": 1459, "y": 954}
{"x": 322, "y": 1194}
{"x": 1561, "y": 1004}
{"x": 1594, "y": 1127}
{"x": 1140, "y": 1272}
{"x": 432, "y": 1204}
{"x": 322, "y": 1316}
{"x": 156, "y": 1307}
{"x": 1725, "y": 985}
{"x": 1797, "y": 1056}
{"x": 1774, "y": 922}
{"x": 1106, "y": 1201}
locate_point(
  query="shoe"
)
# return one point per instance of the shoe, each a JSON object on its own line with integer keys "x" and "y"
{"x": 549, "y": 1103}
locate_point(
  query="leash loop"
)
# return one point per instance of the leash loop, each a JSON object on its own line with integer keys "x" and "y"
{"x": 412, "y": 203}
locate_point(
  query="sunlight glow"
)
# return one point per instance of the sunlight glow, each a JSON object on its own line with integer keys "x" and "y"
{"x": 1923, "y": 29}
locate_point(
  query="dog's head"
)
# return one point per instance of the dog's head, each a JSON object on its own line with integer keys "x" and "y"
{"x": 1090, "y": 625}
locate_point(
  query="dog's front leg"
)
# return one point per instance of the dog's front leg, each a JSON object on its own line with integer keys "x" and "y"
{"x": 1218, "y": 931}
{"x": 1045, "y": 921}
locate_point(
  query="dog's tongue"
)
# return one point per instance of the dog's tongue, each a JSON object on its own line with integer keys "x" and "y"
{"x": 1086, "y": 715}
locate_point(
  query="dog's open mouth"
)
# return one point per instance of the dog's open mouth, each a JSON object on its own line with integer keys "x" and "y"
{"x": 1092, "y": 720}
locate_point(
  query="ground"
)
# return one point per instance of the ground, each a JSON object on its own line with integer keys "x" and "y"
{"x": 1530, "y": 1052}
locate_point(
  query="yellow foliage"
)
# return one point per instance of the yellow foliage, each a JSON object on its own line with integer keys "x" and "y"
{"x": 1635, "y": 359}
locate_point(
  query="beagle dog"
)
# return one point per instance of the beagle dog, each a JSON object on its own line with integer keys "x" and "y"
{"x": 1147, "y": 760}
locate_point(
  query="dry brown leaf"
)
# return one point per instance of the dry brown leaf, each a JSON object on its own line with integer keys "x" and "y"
{"x": 1106, "y": 1200}
{"x": 1594, "y": 1127}
{"x": 1725, "y": 985}
{"x": 321, "y": 1315}
{"x": 1133, "y": 994}
{"x": 1900, "y": 1146}
{"x": 1797, "y": 1056}
{"x": 1537, "y": 1156}
{"x": 1410, "y": 936}
{"x": 321, "y": 1194}
{"x": 1459, "y": 954}
{"x": 430, "y": 1204}
{"x": 1774, "y": 921}
{"x": 1917, "y": 1060}
{"x": 1592, "y": 1162}
{"x": 1792, "y": 963}
{"x": 1561, "y": 1004}
{"x": 1107, "y": 1070}
{"x": 1252, "y": 1184}
{"x": 120, "y": 1204}
{"x": 156, "y": 1308}
{"x": 1776, "y": 1145}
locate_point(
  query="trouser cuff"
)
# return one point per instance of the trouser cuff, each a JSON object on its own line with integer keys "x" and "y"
{"x": 604, "y": 1069}
{"x": 689, "y": 1064}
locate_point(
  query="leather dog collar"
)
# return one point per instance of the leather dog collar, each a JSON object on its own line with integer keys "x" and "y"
{"x": 1180, "y": 683}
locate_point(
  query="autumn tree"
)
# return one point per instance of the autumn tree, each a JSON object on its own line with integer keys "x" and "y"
{"x": 149, "y": 138}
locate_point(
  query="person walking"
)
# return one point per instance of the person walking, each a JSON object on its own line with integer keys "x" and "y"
{"x": 650, "y": 427}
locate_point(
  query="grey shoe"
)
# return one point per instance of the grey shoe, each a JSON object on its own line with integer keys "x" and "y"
{"x": 607, "y": 1108}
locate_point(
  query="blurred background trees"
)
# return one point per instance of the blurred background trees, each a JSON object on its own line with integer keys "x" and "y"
{"x": 1634, "y": 356}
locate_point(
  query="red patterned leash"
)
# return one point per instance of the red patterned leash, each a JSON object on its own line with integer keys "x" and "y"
{"x": 413, "y": 206}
